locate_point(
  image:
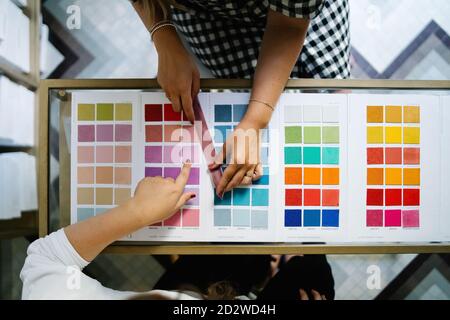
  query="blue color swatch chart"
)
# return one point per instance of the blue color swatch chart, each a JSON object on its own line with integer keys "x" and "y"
{"x": 243, "y": 211}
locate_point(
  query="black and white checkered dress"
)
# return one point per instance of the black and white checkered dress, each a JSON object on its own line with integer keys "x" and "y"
{"x": 226, "y": 35}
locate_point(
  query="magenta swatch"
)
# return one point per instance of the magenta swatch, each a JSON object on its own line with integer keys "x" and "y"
{"x": 171, "y": 172}
{"x": 86, "y": 133}
{"x": 123, "y": 132}
{"x": 105, "y": 132}
{"x": 374, "y": 218}
{"x": 153, "y": 172}
{"x": 194, "y": 177}
{"x": 411, "y": 219}
{"x": 392, "y": 218}
{"x": 153, "y": 154}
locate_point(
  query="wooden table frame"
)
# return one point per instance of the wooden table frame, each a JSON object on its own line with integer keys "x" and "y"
{"x": 220, "y": 248}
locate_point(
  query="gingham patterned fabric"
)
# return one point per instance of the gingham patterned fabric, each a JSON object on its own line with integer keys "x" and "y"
{"x": 226, "y": 35}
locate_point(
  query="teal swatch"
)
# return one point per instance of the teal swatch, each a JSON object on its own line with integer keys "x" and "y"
{"x": 241, "y": 196}
{"x": 260, "y": 197}
{"x": 292, "y": 155}
{"x": 330, "y": 155}
{"x": 312, "y": 135}
{"x": 226, "y": 201}
{"x": 311, "y": 155}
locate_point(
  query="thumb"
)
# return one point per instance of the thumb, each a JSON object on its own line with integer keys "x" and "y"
{"x": 185, "y": 197}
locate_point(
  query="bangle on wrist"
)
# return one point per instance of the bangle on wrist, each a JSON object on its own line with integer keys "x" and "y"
{"x": 159, "y": 25}
{"x": 264, "y": 103}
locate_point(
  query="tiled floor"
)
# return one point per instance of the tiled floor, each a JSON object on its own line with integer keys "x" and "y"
{"x": 409, "y": 39}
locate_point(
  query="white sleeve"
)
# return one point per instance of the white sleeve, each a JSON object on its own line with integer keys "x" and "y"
{"x": 53, "y": 270}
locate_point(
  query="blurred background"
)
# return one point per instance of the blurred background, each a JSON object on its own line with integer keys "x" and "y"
{"x": 391, "y": 39}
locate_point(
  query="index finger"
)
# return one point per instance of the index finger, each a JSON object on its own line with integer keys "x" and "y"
{"x": 226, "y": 177}
{"x": 183, "y": 177}
{"x": 186, "y": 100}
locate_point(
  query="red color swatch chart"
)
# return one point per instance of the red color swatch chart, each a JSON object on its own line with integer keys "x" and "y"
{"x": 393, "y": 166}
{"x": 169, "y": 142}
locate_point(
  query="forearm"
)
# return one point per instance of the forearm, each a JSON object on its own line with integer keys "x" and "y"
{"x": 91, "y": 236}
{"x": 280, "y": 48}
{"x": 145, "y": 16}
{"x": 164, "y": 37}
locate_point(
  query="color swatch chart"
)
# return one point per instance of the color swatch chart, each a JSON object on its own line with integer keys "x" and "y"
{"x": 311, "y": 166}
{"x": 170, "y": 140}
{"x": 337, "y": 168}
{"x": 393, "y": 166}
{"x": 104, "y": 156}
{"x": 243, "y": 207}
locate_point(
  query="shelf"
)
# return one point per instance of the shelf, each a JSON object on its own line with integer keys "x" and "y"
{"x": 25, "y": 226}
{"x": 15, "y": 74}
{"x": 275, "y": 248}
{"x": 16, "y": 148}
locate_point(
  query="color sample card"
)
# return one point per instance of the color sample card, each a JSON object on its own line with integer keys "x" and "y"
{"x": 102, "y": 154}
{"x": 228, "y": 211}
{"x": 313, "y": 165}
{"x": 170, "y": 140}
{"x": 243, "y": 212}
{"x": 393, "y": 166}
{"x": 395, "y": 157}
{"x": 337, "y": 168}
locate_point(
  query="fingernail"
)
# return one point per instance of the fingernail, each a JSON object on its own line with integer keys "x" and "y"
{"x": 188, "y": 161}
{"x": 193, "y": 196}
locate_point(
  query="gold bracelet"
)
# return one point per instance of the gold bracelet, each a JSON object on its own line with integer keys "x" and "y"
{"x": 264, "y": 103}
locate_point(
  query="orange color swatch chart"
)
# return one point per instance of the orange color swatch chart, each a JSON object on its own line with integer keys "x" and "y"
{"x": 393, "y": 166}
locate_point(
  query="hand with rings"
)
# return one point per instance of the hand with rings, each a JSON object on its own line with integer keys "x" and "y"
{"x": 241, "y": 153}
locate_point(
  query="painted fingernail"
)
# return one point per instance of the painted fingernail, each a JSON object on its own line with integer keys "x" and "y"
{"x": 193, "y": 196}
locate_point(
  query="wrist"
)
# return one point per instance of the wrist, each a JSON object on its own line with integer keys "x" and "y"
{"x": 257, "y": 115}
{"x": 165, "y": 37}
{"x": 138, "y": 214}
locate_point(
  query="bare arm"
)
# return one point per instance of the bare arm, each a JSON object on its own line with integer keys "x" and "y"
{"x": 178, "y": 75}
{"x": 282, "y": 42}
{"x": 280, "y": 48}
{"x": 91, "y": 236}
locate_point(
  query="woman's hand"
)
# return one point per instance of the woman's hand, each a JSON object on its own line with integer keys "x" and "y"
{"x": 178, "y": 75}
{"x": 241, "y": 153}
{"x": 157, "y": 198}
